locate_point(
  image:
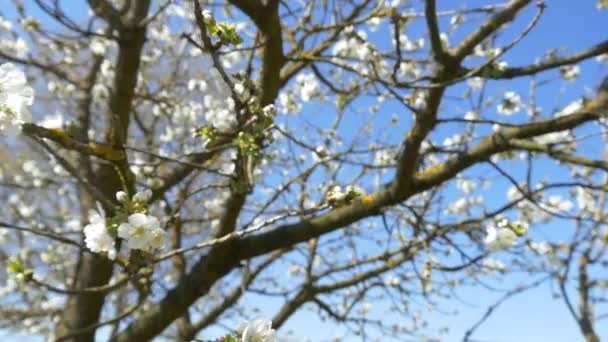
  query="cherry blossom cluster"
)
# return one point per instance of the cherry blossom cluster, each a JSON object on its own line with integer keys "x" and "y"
{"x": 15, "y": 98}
{"x": 504, "y": 234}
{"x": 337, "y": 196}
{"x": 138, "y": 229}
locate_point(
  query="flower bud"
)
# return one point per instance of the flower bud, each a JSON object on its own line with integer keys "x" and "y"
{"x": 122, "y": 197}
{"x": 143, "y": 196}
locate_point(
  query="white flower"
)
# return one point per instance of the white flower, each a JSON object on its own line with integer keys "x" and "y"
{"x": 374, "y": 23}
{"x": 571, "y": 108}
{"x": 540, "y": 248}
{"x": 471, "y": 115}
{"x": 501, "y": 66}
{"x": 142, "y": 232}
{"x": 239, "y": 89}
{"x": 475, "y": 83}
{"x": 269, "y": 110}
{"x": 308, "y": 86}
{"x": 15, "y": 97}
{"x": 409, "y": 69}
{"x": 98, "y": 46}
{"x": 5, "y": 25}
{"x": 385, "y": 157}
{"x": 391, "y": 280}
{"x": 467, "y": 186}
{"x": 122, "y": 197}
{"x": 96, "y": 235}
{"x": 335, "y": 195}
{"x": 142, "y": 196}
{"x": 500, "y": 238}
{"x": 259, "y": 330}
{"x": 490, "y": 265}
{"x": 585, "y": 200}
{"x": 558, "y": 203}
{"x": 569, "y": 72}
{"x": 52, "y": 121}
{"x": 511, "y": 104}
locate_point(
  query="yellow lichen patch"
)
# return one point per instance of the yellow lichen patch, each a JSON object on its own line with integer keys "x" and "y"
{"x": 57, "y": 131}
{"x": 367, "y": 199}
{"x": 430, "y": 171}
{"x": 60, "y": 135}
{"x": 105, "y": 151}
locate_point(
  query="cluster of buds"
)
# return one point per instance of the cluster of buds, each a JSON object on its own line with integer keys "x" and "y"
{"x": 137, "y": 203}
{"x": 132, "y": 224}
{"x": 17, "y": 267}
{"x": 226, "y": 33}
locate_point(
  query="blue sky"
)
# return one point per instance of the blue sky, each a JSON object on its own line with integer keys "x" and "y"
{"x": 532, "y": 316}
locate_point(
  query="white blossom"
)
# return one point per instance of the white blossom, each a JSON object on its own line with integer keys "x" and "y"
{"x": 15, "y": 97}
{"x": 307, "y": 85}
{"x": 476, "y": 83}
{"x": 511, "y": 103}
{"x": 96, "y": 236}
{"x": 98, "y": 46}
{"x": 540, "y": 248}
{"x": 585, "y": 200}
{"x": 269, "y": 110}
{"x": 463, "y": 204}
{"x": 52, "y": 121}
{"x": 142, "y": 232}
{"x": 335, "y": 195}
{"x": 471, "y": 115}
{"x": 467, "y": 186}
{"x": 385, "y": 157}
{"x": 374, "y": 23}
{"x": 122, "y": 197}
{"x": 499, "y": 238}
{"x": 558, "y": 203}
{"x": 258, "y": 330}
{"x": 392, "y": 281}
{"x": 569, "y": 72}
{"x": 489, "y": 265}
{"x": 239, "y": 88}
{"x": 142, "y": 196}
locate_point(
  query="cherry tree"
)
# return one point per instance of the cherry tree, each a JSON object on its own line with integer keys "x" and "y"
{"x": 171, "y": 167}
